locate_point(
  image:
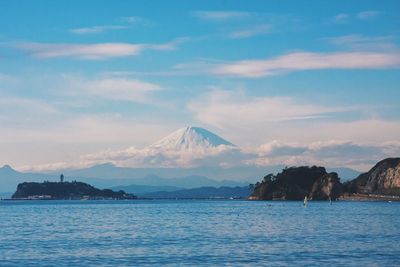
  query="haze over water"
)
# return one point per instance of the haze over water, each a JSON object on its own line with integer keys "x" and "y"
{"x": 219, "y": 233}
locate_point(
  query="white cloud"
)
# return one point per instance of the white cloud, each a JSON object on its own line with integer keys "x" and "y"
{"x": 281, "y": 118}
{"x": 221, "y": 15}
{"x": 365, "y": 43}
{"x": 92, "y": 51}
{"x": 173, "y": 45}
{"x": 123, "y": 89}
{"x": 341, "y": 18}
{"x": 368, "y": 14}
{"x": 97, "y": 29}
{"x": 332, "y": 153}
{"x": 300, "y": 61}
{"x": 81, "y": 51}
{"x": 220, "y": 107}
{"x": 250, "y": 32}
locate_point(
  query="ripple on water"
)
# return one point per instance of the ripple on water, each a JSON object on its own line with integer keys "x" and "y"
{"x": 153, "y": 233}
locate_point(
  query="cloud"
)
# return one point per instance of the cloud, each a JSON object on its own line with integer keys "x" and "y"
{"x": 165, "y": 157}
{"x": 221, "y": 15}
{"x": 97, "y": 29}
{"x": 369, "y": 14}
{"x": 170, "y": 46}
{"x": 250, "y": 32}
{"x": 341, "y": 18}
{"x": 239, "y": 116}
{"x": 131, "y": 19}
{"x": 118, "y": 89}
{"x": 20, "y": 113}
{"x": 92, "y": 51}
{"x": 300, "y": 61}
{"x": 81, "y": 51}
{"x": 126, "y": 21}
{"x": 332, "y": 153}
{"x": 220, "y": 108}
{"x": 365, "y": 43}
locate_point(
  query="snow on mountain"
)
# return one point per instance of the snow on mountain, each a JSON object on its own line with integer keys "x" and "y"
{"x": 186, "y": 147}
{"x": 190, "y": 138}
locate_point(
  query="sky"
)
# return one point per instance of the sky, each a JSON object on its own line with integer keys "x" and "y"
{"x": 292, "y": 81}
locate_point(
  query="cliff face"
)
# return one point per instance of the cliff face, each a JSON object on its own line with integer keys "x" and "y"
{"x": 383, "y": 178}
{"x": 327, "y": 187}
{"x": 297, "y": 182}
{"x": 66, "y": 190}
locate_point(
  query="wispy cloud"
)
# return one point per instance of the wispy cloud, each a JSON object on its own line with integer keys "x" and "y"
{"x": 300, "y": 61}
{"x": 238, "y": 116}
{"x": 332, "y": 153}
{"x": 344, "y": 18}
{"x": 97, "y": 29}
{"x": 126, "y": 22}
{"x": 80, "y": 51}
{"x": 92, "y": 51}
{"x": 221, "y": 15}
{"x": 120, "y": 89}
{"x": 251, "y": 31}
{"x": 131, "y": 19}
{"x": 341, "y": 18}
{"x": 369, "y": 14}
{"x": 365, "y": 43}
{"x": 221, "y": 108}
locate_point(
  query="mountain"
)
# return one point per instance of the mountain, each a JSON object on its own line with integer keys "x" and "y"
{"x": 345, "y": 174}
{"x": 202, "y": 193}
{"x": 108, "y": 176}
{"x": 141, "y": 190}
{"x": 194, "y": 157}
{"x": 191, "y": 138}
{"x": 108, "y": 170}
{"x": 382, "y": 179}
{"x": 10, "y": 178}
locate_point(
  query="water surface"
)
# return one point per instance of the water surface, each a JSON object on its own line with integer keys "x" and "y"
{"x": 197, "y": 233}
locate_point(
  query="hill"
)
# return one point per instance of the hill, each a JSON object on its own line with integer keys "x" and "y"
{"x": 297, "y": 182}
{"x": 66, "y": 190}
{"x": 382, "y": 179}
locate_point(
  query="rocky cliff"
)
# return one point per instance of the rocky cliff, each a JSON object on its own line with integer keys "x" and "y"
{"x": 297, "y": 182}
{"x": 383, "y": 179}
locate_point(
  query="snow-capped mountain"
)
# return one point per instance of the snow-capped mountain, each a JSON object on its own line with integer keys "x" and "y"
{"x": 191, "y": 138}
{"x": 186, "y": 147}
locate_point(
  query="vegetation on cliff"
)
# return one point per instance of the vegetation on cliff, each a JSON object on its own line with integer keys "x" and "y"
{"x": 295, "y": 183}
{"x": 66, "y": 190}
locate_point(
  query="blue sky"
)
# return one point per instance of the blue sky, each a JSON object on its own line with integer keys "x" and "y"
{"x": 79, "y": 77}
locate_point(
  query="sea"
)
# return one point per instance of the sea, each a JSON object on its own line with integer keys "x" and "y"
{"x": 199, "y": 233}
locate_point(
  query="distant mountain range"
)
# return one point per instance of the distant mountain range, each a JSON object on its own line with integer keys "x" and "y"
{"x": 202, "y": 193}
{"x": 194, "y": 143}
{"x": 146, "y": 180}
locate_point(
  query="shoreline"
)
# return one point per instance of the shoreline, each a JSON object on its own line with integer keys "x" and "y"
{"x": 368, "y": 197}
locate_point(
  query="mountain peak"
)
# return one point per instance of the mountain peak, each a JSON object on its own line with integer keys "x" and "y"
{"x": 7, "y": 168}
{"x": 191, "y": 137}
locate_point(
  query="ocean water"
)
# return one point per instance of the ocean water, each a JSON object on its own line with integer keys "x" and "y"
{"x": 198, "y": 233}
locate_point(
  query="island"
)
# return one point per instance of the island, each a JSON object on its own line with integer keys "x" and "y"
{"x": 66, "y": 190}
{"x": 295, "y": 183}
{"x": 382, "y": 182}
